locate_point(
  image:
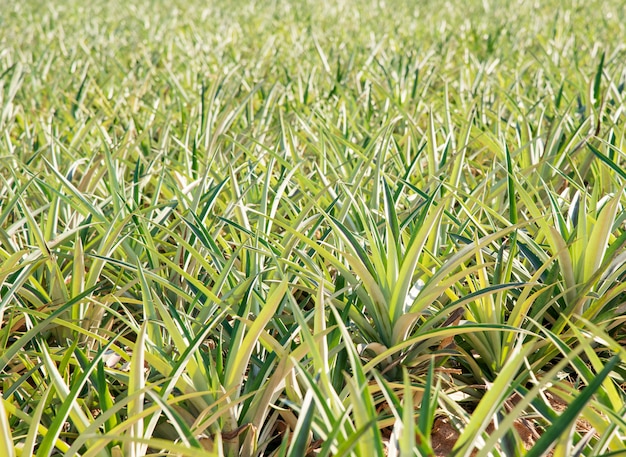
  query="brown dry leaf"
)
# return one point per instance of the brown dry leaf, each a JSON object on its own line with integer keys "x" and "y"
{"x": 231, "y": 435}
{"x": 207, "y": 443}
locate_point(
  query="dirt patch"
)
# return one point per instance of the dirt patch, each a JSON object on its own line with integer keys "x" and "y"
{"x": 445, "y": 435}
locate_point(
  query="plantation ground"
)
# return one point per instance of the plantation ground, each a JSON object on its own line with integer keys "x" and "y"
{"x": 312, "y": 228}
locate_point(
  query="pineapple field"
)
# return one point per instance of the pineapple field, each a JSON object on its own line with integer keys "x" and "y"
{"x": 298, "y": 228}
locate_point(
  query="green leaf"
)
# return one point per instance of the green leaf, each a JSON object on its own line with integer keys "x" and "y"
{"x": 491, "y": 402}
{"x": 573, "y": 410}
{"x": 300, "y": 438}
{"x": 136, "y": 395}
{"x": 7, "y": 448}
{"x": 241, "y": 355}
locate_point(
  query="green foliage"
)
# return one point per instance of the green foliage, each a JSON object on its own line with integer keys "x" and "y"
{"x": 274, "y": 228}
